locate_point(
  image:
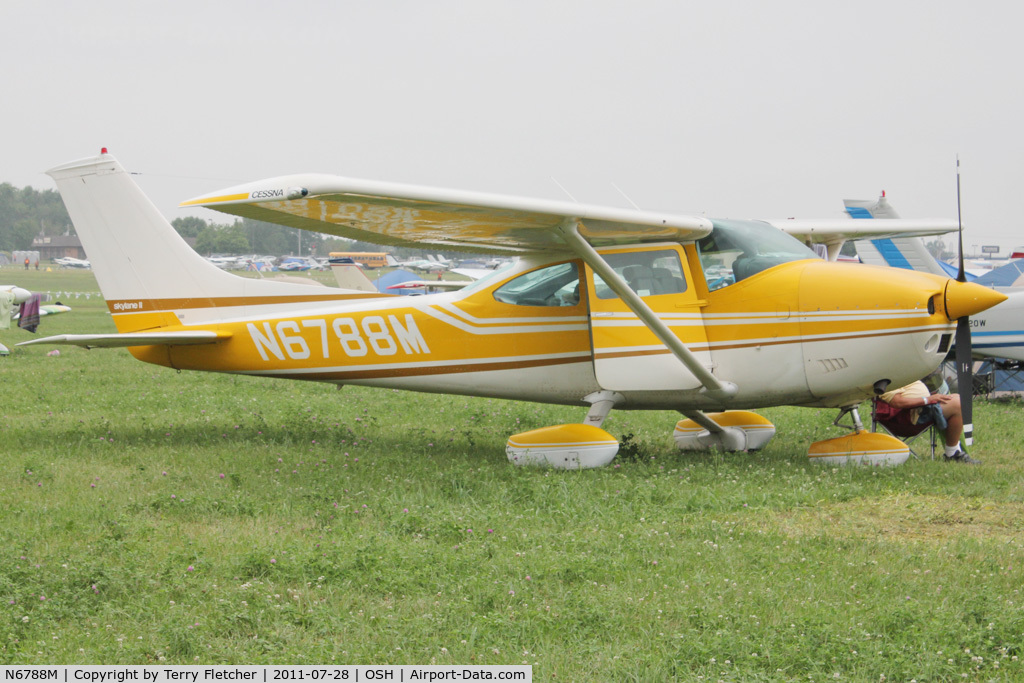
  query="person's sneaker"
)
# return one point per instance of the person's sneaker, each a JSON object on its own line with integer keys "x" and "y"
{"x": 961, "y": 456}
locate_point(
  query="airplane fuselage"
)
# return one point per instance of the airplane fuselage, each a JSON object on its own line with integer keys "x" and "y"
{"x": 797, "y": 333}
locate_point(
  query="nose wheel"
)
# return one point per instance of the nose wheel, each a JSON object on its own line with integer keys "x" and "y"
{"x": 859, "y": 448}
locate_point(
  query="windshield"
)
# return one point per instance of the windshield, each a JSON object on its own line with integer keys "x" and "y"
{"x": 735, "y": 250}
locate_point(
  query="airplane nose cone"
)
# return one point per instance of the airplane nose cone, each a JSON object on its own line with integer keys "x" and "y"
{"x": 968, "y": 298}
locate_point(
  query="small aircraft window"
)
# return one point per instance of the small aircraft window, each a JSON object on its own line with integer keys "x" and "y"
{"x": 647, "y": 273}
{"x": 738, "y": 249}
{"x": 486, "y": 280}
{"x": 556, "y": 285}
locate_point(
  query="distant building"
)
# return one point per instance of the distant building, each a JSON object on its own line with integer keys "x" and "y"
{"x": 58, "y": 246}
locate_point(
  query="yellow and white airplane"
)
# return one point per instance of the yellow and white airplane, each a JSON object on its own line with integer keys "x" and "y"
{"x": 604, "y": 308}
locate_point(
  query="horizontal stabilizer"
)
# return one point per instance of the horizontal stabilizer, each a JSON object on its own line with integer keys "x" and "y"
{"x": 114, "y": 341}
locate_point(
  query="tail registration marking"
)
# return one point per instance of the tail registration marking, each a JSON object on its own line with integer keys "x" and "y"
{"x": 285, "y": 338}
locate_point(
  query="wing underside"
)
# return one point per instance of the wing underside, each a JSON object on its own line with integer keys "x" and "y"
{"x": 407, "y": 215}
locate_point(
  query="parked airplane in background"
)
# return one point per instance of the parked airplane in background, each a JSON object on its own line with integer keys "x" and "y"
{"x": 69, "y": 262}
{"x": 349, "y": 274}
{"x": 22, "y": 307}
{"x": 998, "y": 332}
{"x": 604, "y": 308}
{"x": 430, "y": 286}
{"x": 18, "y": 296}
{"x": 299, "y": 263}
{"x": 223, "y": 262}
{"x": 428, "y": 265}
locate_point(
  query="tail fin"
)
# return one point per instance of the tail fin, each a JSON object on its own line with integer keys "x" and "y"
{"x": 148, "y": 274}
{"x": 351, "y": 276}
{"x": 909, "y": 253}
{"x": 865, "y": 208}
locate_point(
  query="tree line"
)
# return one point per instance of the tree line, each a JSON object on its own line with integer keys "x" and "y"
{"x": 247, "y": 236}
{"x": 27, "y": 213}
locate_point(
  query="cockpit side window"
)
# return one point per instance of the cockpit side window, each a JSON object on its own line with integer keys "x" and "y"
{"x": 647, "y": 273}
{"x": 557, "y": 285}
{"x": 735, "y": 250}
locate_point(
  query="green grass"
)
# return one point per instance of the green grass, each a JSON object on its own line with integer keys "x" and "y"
{"x": 187, "y": 518}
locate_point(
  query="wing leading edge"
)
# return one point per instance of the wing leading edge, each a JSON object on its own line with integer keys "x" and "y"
{"x": 834, "y": 233}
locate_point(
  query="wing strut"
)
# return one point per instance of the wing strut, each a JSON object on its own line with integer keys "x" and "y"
{"x": 713, "y": 387}
{"x": 704, "y": 421}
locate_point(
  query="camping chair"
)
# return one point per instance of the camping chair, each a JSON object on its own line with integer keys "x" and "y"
{"x": 897, "y": 423}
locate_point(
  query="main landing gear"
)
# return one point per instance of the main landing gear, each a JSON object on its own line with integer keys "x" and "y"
{"x": 578, "y": 446}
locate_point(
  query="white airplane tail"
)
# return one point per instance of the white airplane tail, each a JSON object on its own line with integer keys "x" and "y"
{"x": 865, "y": 208}
{"x": 351, "y": 276}
{"x": 141, "y": 263}
{"x": 909, "y": 253}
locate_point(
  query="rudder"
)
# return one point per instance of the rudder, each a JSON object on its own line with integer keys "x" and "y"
{"x": 147, "y": 273}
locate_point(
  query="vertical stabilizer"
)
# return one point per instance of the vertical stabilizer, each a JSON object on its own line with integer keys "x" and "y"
{"x": 865, "y": 208}
{"x": 141, "y": 263}
{"x": 350, "y": 276}
{"x": 909, "y": 253}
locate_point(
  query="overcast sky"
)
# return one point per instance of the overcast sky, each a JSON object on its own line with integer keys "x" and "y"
{"x": 729, "y": 109}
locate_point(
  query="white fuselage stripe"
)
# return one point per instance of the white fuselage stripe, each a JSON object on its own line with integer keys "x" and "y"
{"x": 384, "y": 367}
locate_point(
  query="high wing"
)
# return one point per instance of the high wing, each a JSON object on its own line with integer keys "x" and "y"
{"x": 409, "y": 215}
{"x": 391, "y": 213}
{"x": 835, "y": 232}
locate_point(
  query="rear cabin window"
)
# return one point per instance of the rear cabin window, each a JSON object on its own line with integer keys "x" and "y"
{"x": 648, "y": 273}
{"x": 557, "y": 285}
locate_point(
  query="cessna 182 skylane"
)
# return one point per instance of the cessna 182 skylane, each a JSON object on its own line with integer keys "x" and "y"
{"x": 605, "y": 307}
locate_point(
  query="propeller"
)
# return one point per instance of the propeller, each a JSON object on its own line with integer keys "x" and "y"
{"x": 964, "y": 362}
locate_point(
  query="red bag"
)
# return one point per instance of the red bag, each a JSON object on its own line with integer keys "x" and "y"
{"x": 884, "y": 411}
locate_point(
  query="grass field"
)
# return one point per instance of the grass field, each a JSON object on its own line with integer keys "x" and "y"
{"x": 148, "y": 516}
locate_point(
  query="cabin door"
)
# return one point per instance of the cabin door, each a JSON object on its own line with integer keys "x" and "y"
{"x": 628, "y": 356}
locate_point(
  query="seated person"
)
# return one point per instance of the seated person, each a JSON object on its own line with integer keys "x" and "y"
{"x": 918, "y": 406}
